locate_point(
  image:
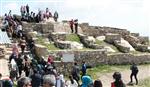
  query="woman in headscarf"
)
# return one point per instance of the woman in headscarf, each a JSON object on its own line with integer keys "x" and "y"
{"x": 87, "y": 81}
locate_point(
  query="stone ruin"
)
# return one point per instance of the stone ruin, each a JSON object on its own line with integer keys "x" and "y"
{"x": 122, "y": 39}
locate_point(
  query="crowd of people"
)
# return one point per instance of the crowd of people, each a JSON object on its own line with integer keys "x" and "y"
{"x": 41, "y": 72}
{"x": 41, "y": 16}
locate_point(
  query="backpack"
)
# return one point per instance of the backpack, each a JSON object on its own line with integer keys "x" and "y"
{"x": 134, "y": 68}
{"x": 7, "y": 83}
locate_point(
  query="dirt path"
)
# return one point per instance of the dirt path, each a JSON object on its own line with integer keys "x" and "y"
{"x": 144, "y": 72}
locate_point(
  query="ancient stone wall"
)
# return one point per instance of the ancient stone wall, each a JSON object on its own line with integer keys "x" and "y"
{"x": 98, "y": 57}
{"x": 127, "y": 58}
{"x": 39, "y": 27}
{"x": 100, "y": 31}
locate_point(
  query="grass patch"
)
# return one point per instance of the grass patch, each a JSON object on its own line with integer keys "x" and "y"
{"x": 101, "y": 69}
{"x": 135, "y": 52}
{"x": 144, "y": 83}
{"x": 50, "y": 46}
{"x": 107, "y": 44}
{"x": 73, "y": 37}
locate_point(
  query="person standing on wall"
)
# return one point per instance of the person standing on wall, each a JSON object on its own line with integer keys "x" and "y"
{"x": 71, "y": 25}
{"x": 27, "y": 8}
{"x": 55, "y": 16}
{"x": 76, "y": 25}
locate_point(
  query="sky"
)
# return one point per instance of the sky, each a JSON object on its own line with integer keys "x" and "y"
{"x": 133, "y": 15}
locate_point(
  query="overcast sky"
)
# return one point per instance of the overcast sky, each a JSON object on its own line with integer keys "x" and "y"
{"x": 133, "y": 15}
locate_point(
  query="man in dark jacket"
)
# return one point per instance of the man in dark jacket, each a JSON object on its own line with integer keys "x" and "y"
{"x": 134, "y": 72}
{"x": 27, "y": 8}
{"x": 36, "y": 79}
{"x": 76, "y": 72}
{"x": 55, "y": 16}
{"x": 76, "y": 25}
{"x": 83, "y": 68}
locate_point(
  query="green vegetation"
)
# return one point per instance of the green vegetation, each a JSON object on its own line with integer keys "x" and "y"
{"x": 144, "y": 83}
{"x": 135, "y": 52}
{"x": 101, "y": 69}
{"x": 73, "y": 37}
{"x": 107, "y": 44}
{"x": 50, "y": 46}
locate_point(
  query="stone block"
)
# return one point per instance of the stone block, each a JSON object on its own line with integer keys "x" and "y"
{"x": 61, "y": 36}
{"x": 135, "y": 34}
{"x": 144, "y": 40}
{"x": 41, "y": 50}
{"x": 142, "y": 48}
{"x": 68, "y": 45}
{"x": 110, "y": 38}
{"x": 47, "y": 27}
{"x": 96, "y": 46}
{"x": 63, "y": 44}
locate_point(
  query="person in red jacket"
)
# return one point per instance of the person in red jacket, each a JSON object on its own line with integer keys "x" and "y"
{"x": 50, "y": 59}
{"x": 118, "y": 82}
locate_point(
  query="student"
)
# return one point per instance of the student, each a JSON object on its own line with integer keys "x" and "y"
{"x": 22, "y": 44}
{"x": 83, "y": 68}
{"x": 118, "y": 82}
{"x": 87, "y": 81}
{"x": 134, "y": 72}
{"x": 71, "y": 25}
{"x": 48, "y": 13}
{"x": 36, "y": 79}
{"x": 55, "y": 16}
{"x": 50, "y": 59}
{"x": 27, "y": 8}
{"x": 72, "y": 82}
{"x": 76, "y": 25}
{"x": 60, "y": 82}
{"x": 49, "y": 81}
{"x": 98, "y": 83}
{"x": 24, "y": 82}
{"x": 76, "y": 72}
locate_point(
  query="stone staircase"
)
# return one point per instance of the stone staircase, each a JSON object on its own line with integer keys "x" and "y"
{"x": 4, "y": 69}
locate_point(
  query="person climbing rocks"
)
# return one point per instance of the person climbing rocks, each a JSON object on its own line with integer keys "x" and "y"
{"x": 134, "y": 72}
